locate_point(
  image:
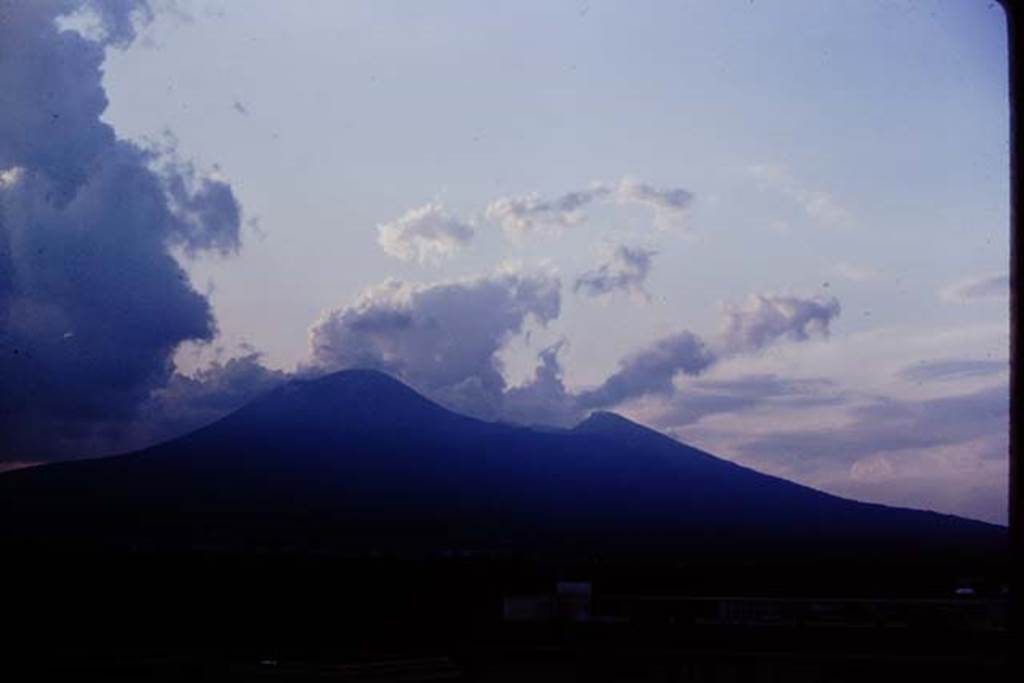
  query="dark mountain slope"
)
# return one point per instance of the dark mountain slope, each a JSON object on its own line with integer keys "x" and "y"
{"x": 357, "y": 462}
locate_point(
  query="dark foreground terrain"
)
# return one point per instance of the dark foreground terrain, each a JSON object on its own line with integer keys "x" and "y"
{"x": 245, "y": 618}
{"x": 348, "y": 529}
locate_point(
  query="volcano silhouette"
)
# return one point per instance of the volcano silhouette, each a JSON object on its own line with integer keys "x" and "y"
{"x": 356, "y": 462}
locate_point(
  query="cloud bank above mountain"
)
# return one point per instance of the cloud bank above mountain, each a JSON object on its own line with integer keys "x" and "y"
{"x": 442, "y": 338}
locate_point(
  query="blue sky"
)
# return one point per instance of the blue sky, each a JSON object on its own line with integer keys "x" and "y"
{"x": 854, "y": 152}
{"x": 358, "y": 112}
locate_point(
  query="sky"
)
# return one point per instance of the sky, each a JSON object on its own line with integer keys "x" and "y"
{"x": 778, "y": 231}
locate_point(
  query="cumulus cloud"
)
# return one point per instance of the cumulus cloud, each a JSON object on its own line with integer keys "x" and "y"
{"x": 650, "y": 370}
{"x": 441, "y": 338}
{"x": 544, "y": 399}
{"x": 976, "y": 288}
{"x": 203, "y": 206}
{"x": 765, "y": 318}
{"x": 520, "y": 215}
{"x": 626, "y": 268}
{"x": 445, "y": 339}
{"x": 53, "y": 94}
{"x": 427, "y": 234}
{"x": 523, "y": 214}
{"x": 92, "y": 302}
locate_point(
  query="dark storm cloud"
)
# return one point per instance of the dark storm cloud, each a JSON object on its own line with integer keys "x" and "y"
{"x": 442, "y": 338}
{"x": 187, "y": 403}
{"x": 92, "y": 303}
{"x": 52, "y": 85}
{"x": 625, "y": 269}
{"x": 208, "y": 215}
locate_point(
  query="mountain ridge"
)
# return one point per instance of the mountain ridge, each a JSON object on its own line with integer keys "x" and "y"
{"x": 357, "y": 459}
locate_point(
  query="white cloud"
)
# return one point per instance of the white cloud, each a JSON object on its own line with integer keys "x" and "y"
{"x": 10, "y": 176}
{"x": 442, "y": 338}
{"x": 522, "y": 214}
{"x": 765, "y": 318}
{"x": 426, "y": 234}
{"x": 762, "y": 321}
{"x": 651, "y": 369}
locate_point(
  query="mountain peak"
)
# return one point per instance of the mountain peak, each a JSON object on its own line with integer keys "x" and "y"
{"x": 356, "y": 460}
{"x": 353, "y": 396}
{"x": 353, "y": 382}
{"x": 358, "y": 378}
{"x": 606, "y": 422}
